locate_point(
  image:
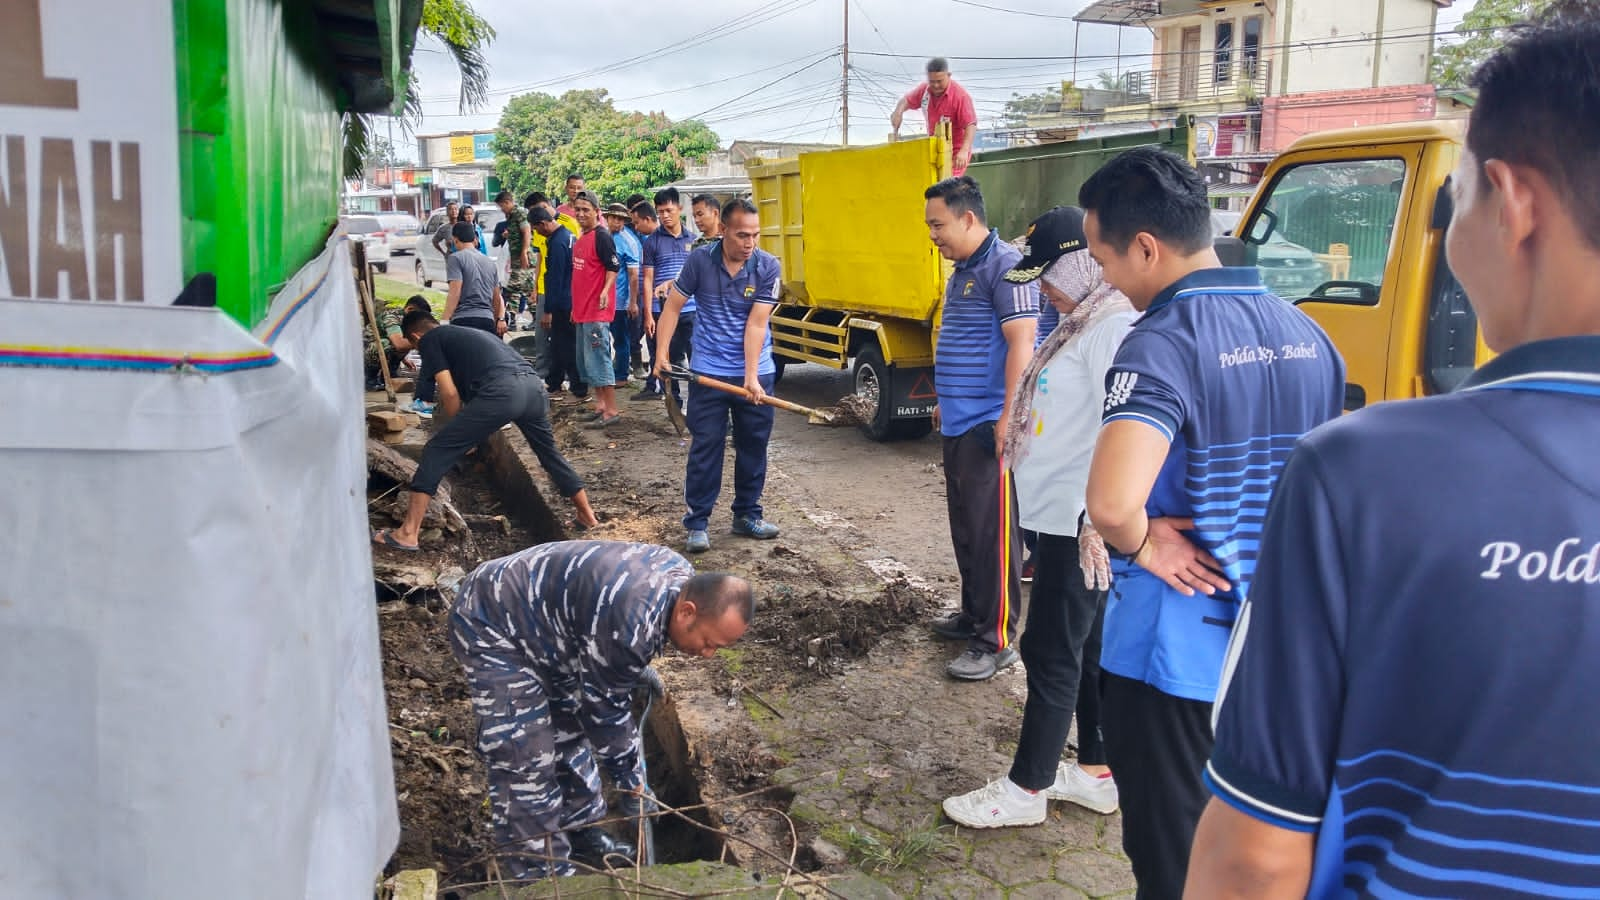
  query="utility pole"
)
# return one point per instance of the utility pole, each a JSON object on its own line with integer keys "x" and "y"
{"x": 844, "y": 84}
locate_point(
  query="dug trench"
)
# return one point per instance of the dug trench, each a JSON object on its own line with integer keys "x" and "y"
{"x": 819, "y": 613}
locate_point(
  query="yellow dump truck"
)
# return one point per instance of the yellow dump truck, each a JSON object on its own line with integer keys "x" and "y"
{"x": 861, "y": 280}
{"x": 1370, "y": 207}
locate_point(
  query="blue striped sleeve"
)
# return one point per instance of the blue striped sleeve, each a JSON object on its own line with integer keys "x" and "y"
{"x": 1278, "y": 712}
{"x": 1149, "y": 382}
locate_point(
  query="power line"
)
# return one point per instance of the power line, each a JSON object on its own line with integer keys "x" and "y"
{"x": 815, "y": 62}
{"x": 758, "y": 16}
{"x": 766, "y": 68}
{"x": 1018, "y": 12}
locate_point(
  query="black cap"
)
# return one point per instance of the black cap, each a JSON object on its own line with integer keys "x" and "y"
{"x": 539, "y": 215}
{"x": 1051, "y": 236}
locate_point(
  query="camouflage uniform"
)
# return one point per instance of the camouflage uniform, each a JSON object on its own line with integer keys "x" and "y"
{"x": 519, "y": 281}
{"x": 553, "y": 640}
{"x": 388, "y": 323}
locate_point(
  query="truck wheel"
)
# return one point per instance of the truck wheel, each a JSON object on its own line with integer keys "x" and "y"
{"x": 422, "y": 275}
{"x": 874, "y": 382}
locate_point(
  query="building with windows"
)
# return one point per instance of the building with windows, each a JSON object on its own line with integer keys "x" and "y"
{"x": 1257, "y": 74}
{"x": 456, "y": 165}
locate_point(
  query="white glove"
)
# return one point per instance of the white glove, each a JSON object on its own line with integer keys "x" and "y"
{"x": 1093, "y": 559}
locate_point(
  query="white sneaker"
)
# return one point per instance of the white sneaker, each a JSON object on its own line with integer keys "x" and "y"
{"x": 1074, "y": 785}
{"x": 997, "y": 804}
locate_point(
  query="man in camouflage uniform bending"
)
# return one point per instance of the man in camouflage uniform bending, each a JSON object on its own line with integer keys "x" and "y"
{"x": 554, "y": 640}
{"x": 395, "y": 344}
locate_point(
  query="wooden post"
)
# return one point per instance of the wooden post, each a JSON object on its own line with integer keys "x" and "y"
{"x": 369, "y": 316}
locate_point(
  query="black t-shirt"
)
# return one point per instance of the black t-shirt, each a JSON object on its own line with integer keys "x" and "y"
{"x": 472, "y": 357}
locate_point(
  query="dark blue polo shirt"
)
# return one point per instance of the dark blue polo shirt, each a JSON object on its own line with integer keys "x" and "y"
{"x": 1415, "y": 675}
{"x": 666, "y": 254}
{"x": 969, "y": 361}
{"x": 725, "y": 301}
{"x": 1232, "y": 376}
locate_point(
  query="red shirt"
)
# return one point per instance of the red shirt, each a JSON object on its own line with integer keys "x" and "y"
{"x": 954, "y": 106}
{"x": 592, "y": 257}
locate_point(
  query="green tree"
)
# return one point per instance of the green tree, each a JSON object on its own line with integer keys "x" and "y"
{"x": 533, "y": 126}
{"x": 542, "y": 139}
{"x": 1016, "y": 111}
{"x": 1482, "y": 31}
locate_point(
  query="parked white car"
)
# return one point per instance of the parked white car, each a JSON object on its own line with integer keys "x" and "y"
{"x": 370, "y": 231}
{"x": 430, "y": 261}
{"x": 403, "y": 228}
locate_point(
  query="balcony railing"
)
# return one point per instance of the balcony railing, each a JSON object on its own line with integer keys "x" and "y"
{"x": 1200, "y": 77}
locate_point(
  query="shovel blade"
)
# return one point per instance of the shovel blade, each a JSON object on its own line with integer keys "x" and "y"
{"x": 675, "y": 413}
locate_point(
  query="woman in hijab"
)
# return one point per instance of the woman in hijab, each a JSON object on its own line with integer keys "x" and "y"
{"x": 1048, "y": 446}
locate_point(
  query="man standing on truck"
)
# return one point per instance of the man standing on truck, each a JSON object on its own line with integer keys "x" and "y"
{"x": 1207, "y": 395}
{"x": 942, "y": 100}
{"x": 984, "y": 345}
{"x": 554, "y": 640}
{"x": 737, "y": 283}
{"x": 1411, "y": 705}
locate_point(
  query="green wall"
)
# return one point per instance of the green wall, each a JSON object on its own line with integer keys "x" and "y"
{"x": 260, "y": 145}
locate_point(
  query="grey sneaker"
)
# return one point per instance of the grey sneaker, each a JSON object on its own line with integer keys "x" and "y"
{"x": 976, "y": 665}
{"x": 755, "y": 527}
{"x": 698, "y": 542}
{"x": 954, "y": 627}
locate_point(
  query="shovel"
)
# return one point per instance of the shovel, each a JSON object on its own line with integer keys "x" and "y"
{"x": 813, "y": 416}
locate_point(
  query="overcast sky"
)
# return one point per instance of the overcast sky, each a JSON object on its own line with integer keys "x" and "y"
{"x": 769, "y": 69}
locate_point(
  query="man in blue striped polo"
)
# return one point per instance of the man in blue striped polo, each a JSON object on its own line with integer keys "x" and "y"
{"x": 985, "y": 343}
{"x": 1207, "y": 395}
{"x": 736, "y": 284}
{"x": 1412, "y": 708}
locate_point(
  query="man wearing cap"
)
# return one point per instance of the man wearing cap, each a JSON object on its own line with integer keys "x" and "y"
{"x": 984, "y": 344}
{"x": 628, "y": 250}
{"x": 942, "y": 100}
{"x": 541, "y": 340}
{"x": 594, "y": 276}
{"x": 737, "y": 284}
{"x": 1055, "y": 416}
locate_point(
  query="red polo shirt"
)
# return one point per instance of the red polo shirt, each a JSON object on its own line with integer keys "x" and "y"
{"x": 954, "y": 106}
{"x": 592, "y": 257}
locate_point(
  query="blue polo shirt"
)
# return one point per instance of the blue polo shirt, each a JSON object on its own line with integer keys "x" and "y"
{"x": 1415, "y": 672}
{"x": 969, "y": 361}
{"x": 1232, "y": 376}
{"x": 628, "y": 254}
{"x": 717, "y": 345}
{"x": 666, "y": 254}
{"x": 1049, "y": 318}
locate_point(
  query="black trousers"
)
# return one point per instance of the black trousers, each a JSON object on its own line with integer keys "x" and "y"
{"x": 1063, "y": 665}
{"x": 487, "y": 325}
{"x": 708, "y": 416}
{"x": 983, "y": 531}
{"x": 1157, "y": 745}
{"x": 516, "y": 396}
{"x": 564, "y": 355}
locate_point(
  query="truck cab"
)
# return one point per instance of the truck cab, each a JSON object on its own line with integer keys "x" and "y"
{"x": 1371, "y": 206}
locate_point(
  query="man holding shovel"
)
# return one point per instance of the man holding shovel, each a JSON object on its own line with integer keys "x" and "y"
{"x": 735, "y": 285}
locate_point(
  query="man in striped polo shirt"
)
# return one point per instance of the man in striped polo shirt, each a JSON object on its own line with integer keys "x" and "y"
{"x": 984, "y": 344}
{"x": 1207, "y": 395}
{"x": 1411, "y": 711}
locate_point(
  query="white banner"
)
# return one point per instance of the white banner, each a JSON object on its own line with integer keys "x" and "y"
{"x": 89, "y": 194}
{"x": 193, "y": 703}
{"x": 467, "y": 180}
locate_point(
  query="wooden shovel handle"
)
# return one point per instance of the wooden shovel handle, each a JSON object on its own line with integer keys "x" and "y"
{"x": 770, "y": 400}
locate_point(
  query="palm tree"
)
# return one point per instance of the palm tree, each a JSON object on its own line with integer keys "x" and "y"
{"x": 465, "y": 35}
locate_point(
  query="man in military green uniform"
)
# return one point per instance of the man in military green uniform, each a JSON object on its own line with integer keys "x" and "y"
{"x": 395, "y": 343}
{"x": 523, "y": 272}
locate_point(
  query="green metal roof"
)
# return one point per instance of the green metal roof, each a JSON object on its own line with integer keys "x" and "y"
{"x": 368, "y": 47}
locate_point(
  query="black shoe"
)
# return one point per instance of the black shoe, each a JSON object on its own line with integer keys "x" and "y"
{"x": 954, "y": 627}
{"x": 596, "y": 847}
